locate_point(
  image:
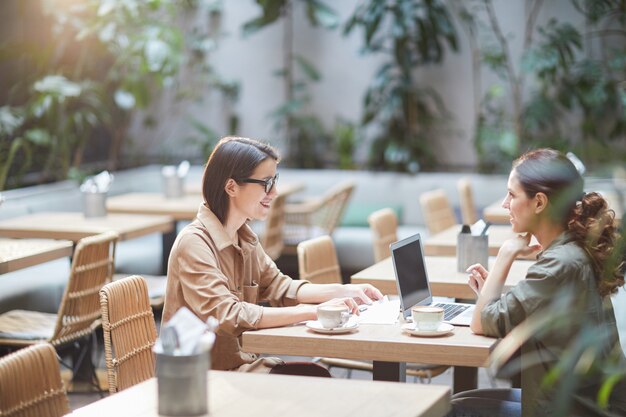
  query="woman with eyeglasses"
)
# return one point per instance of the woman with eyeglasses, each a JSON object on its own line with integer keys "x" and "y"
{"x": 218, "y": 268}
{"x": 568, "y": 289}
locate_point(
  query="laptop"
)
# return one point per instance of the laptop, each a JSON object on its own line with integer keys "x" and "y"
{"x": 413, "y": 286}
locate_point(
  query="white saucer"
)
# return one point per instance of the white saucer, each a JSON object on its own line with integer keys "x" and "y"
{"x": 316, "y": 326}
{"x": 444, "y": 328}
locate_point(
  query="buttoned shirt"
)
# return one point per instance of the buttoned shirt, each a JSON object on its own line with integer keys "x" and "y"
{"x": 214, "y": 276}
{"x": 562, "y": 267}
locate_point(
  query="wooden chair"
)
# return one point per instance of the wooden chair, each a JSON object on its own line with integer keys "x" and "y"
{"x": 273, "y": 235}
{"x": 384, "y": 226}
{"x": 437, "y": 212}
{"x": 31, "y": 385}
{"x": 315, "y": 217}
{"x": 317, "y": 262}
{"x": 79, "y": 313}
{"x": 129, "y": 332}
{"x": 466, "y": 199}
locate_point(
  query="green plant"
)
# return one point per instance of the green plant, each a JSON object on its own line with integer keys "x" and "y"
{"x": 411, "y": 34}
{"x": 306, "y": 137}
{"x": 576, "y": 101}
{"x": 346, "y": 139}
{"x": 96, "y": 64}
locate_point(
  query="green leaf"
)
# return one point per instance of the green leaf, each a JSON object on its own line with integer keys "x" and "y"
{"x": 320, "y": 14}
{"x": 307, "y": 67}
{"x": 38, "y": 137}
{"x": 272, "y": 11}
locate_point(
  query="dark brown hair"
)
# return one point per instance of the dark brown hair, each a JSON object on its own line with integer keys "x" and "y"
{"x": 235, "y": 158}
{"x": 585, "y": 215}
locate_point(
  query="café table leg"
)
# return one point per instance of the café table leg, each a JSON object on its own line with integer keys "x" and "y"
{"x": 389, "y": 371}
{"x": 465, "y": 378}
{"x": 167, "y": 243}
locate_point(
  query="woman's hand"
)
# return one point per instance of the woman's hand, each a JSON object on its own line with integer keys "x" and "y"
{"x": 345, "y": 301}
{"x": 363, "y": 293}
{"x": 477, "y": 277}
{"x": 520, "y": 246}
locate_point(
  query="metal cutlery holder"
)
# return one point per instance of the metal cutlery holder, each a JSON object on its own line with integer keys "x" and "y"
{"x": 182, "y": 382}
{"x": 472, "y": 249}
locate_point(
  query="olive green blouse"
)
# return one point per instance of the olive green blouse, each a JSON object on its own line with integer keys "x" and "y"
{"x": 561, "y": 269}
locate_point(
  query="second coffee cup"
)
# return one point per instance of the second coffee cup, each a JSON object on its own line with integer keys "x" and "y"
{"x": 427, "y": 318}
{"x": 331, "y": 317}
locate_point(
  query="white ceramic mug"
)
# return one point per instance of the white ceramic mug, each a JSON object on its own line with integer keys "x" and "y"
{"x": 427, "y": 318}
{"x": 331, "y": 317}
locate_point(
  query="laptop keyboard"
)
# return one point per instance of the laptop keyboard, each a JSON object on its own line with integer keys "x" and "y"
{"x": 450, "y": 311}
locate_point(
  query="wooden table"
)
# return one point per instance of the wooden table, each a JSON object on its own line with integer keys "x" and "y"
{"x": 183, "y": 208}
{"x": 241, "y": 394}
{"x": 74, "y": 226}
{"x": 386, "y": 345}
{"x": 445, "y": 280}
{"x": 21, "y": 253}
{"x": 444, "y": 243}
{"x": 495, "y": 213}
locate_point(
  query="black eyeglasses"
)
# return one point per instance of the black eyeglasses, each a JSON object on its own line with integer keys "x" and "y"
{"x": 268, "y": 183}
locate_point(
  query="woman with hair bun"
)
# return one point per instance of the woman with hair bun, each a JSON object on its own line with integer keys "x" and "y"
{"x": 576, "y": 234}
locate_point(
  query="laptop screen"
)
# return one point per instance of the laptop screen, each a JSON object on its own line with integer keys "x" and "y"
{"x": 408, "y": 263}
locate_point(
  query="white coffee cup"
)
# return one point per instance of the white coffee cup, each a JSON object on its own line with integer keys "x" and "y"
{"x": 427, "y": 318}
{"x": 331, "y": 317}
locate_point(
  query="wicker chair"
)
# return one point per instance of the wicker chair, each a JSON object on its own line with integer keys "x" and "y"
{"x": 129, "y": 332}
{"x": 384, "y": 226}
{"x": 272, "y": 237}
{"x": 316, "y": 217}
{"x": 437, "y": 212}
{"x": 79, "y": 312}
{"x": 31, "y": 385}
{"x": 317, "y": 261}
{"x": 466, "y": 198}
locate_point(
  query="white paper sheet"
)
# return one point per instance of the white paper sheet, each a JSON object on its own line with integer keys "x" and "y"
{"x": 384, "y": 311}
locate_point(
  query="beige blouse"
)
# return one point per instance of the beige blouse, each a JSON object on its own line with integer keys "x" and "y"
{"x": 212, "y": 276}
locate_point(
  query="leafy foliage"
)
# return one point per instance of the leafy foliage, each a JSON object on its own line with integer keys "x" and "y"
{"x": 98, "y": 62}
{"x": 410, "y": 33}
{"x": 307, "y": 138}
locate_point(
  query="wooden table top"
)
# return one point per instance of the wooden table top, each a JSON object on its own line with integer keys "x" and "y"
{"x": 21, "y": 253}
{"x": 444, "y": 243}
{"x": 183, "y": 208}
{"x": 445, "y": 280}
{"x": 376, "y": 342}
{"x": 239, "y": 394}
{"x": 74, "y": 226}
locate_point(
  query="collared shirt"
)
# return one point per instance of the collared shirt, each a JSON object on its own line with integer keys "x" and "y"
{"x": 213, "y": 276}
{"x": 563, "y": 266}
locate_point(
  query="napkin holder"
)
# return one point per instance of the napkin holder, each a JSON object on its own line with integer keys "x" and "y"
{"x": 182, "y": 383}
{"x": 94, "y": 203}
{"x": 472, "y": 249}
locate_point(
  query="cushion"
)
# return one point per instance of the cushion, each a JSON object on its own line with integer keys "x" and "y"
{"x": 356, "y": 214}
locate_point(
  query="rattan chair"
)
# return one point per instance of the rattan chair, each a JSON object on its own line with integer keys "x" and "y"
{"x": 129, "y": 332}
{"x": 272, "y": 238}
{"x": 31, "y": 385}
{"x": 317, "y": 262}
{"x": 79, "y": 313}
{"x": 384, "y": 226}
{"x": 466, "y": 200}
{"x": 437, "y": 212}
{"x": 316, "y": 217}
